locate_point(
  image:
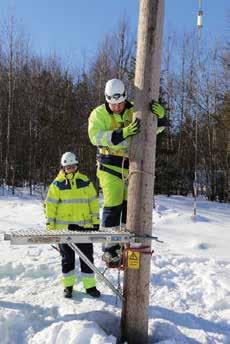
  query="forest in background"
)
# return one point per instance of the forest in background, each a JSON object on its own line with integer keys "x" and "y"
{"x": 44, "y": 110}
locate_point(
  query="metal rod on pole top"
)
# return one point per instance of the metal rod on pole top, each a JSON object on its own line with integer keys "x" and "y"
{"x": 200, "y": 15}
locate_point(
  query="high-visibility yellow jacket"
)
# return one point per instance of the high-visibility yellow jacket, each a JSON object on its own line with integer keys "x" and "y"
{"x": 102, "y": 123}
{"x": 71, "y": 199}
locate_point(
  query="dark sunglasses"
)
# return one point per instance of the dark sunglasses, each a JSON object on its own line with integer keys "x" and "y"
{"x": 115, "y": 96}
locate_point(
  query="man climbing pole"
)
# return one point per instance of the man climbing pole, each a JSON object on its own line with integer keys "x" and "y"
{"x": 110, "y": 129}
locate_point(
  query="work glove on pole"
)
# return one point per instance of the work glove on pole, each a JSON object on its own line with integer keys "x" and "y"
{"x": 132, "y": 129}
{"x": 157, "y": 109}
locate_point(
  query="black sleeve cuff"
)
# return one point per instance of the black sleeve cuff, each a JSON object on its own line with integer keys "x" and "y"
{"x": 162, "y": 122}
{"x": 117, "y": 136}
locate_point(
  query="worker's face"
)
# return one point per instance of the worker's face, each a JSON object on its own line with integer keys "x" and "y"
{"x": 70, "y": 169}
{"x": 117, "y": 108}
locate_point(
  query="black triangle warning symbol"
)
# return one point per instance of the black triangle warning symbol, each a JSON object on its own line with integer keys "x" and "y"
{"x": 133, "y": 256}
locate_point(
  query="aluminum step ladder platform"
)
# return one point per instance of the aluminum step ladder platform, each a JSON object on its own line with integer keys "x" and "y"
{"x": 38, "y": 237}
{"x": 28, "y": 237}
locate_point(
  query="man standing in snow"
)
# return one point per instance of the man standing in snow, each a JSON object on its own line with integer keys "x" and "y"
{"x": 110, "y": 128}
{"x": 72, "y": 203}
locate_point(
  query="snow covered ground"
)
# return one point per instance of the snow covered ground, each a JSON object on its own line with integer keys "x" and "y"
{"x": 190, "y": 281}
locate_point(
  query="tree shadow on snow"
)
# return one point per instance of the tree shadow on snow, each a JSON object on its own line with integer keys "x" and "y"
{"x": 189, "y": 320}
{"x": 108, "y": 321}
{"x": 33, "y": 314}
{"x": 108, "y": 299}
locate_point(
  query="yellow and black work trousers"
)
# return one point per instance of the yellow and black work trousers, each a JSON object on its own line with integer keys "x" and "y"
{"x": 114, "y": 189}
{"x": 113, "y": 182}
{"x": 68, "y": 264}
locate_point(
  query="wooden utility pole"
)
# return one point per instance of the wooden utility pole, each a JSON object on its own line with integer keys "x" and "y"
{"x": 134, "y": 323}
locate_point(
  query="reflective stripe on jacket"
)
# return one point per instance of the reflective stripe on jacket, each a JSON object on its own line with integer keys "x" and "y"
{"x": 71, "y": 199}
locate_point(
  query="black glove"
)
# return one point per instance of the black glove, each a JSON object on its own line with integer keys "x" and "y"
{"x": 75, "y": 228}
{"x": 96, "y": 227}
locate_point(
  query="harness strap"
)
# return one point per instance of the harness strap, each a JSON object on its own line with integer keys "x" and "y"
{"x": 109, "y": 170}
{"x": 113, "y": 160}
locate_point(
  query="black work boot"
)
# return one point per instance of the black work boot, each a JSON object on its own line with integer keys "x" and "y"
{"x": 68, "y": 292}
{"x": 93, "y": 292}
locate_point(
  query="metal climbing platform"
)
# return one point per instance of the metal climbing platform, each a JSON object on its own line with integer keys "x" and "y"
{"x": 31, "y": 236}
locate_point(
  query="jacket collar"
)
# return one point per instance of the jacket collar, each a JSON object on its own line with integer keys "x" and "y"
{"x": 69, "y": 176}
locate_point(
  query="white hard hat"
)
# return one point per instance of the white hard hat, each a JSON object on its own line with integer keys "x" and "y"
{"x": 68, "y": 159}
{"x": 115, "y": 91}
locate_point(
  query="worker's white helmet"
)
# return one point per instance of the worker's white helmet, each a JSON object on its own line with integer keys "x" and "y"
{"x": 68, "y": 159}
{"x": 115, "y": 91}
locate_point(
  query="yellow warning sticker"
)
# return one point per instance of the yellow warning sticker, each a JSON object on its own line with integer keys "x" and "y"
{"x": 133, "y": 260}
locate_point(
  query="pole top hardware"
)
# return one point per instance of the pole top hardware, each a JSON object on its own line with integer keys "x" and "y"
{"x": 200, "y": 16}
